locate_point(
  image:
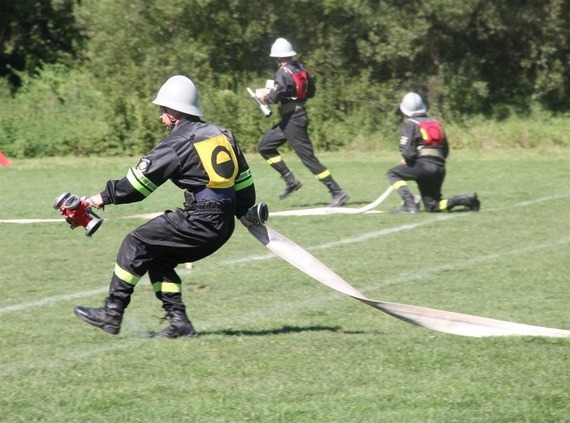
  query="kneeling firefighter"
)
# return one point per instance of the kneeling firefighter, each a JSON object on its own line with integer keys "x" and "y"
{"x": 207, "y": 163}
{"x": 424, "y": 149}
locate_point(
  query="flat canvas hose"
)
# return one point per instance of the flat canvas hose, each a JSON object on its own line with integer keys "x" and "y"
{"x": 335, "y": 210}
{"x": 438, "y": 320}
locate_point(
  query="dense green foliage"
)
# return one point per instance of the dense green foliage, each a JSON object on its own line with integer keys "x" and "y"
{"x": 107, "y": 59}
{"x": 36, "y": 32}
{"x": 276, "y": 346}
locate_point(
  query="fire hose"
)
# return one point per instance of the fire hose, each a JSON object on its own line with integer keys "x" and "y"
{"x": 336, "y": 210}
{"x": 77, "y": 212}
{"x": 437, "y": 320}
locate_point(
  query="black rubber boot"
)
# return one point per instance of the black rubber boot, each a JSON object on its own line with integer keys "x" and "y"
{"x": 409, "y": 206}
{"x": 180, "y": 326}
{"x": 292, "y": 184}
{"x": 467, "y": 200}
{"x": 339, "y": 197}
{"x": 108, "y": 317}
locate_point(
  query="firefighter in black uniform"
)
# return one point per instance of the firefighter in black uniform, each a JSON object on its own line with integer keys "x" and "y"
{"x": 424, "y": 149}
{"x": 292, "y": 86}
{"x": 207, "y": 163}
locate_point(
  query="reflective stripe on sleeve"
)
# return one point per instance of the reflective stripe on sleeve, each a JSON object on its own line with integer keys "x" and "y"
{"x": 243, "y": 180}
{"x": 140, "y": 182}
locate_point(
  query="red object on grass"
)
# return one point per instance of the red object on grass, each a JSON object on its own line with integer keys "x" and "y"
{"x": 4, "y": 160}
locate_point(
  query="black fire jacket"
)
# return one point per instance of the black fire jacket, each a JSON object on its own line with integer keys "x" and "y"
{"x": 285, "y": 87}
{"x": 412, "y": 140}
{"x": 195, "y": 155}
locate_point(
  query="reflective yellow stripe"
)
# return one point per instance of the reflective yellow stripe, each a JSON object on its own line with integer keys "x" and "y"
{"x": 443, "y": 205}
{"x": 140, "y": 182}
{"x": 123, "y": 275}
{"x": 167, "y": 287}
{"x": 323, "y": 175}
{"x": 275, "y": 159}
{"x": 400, "y": 184}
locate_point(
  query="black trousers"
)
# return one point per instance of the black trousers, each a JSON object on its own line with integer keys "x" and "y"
{"x": 428, "y": 173}
{"x": 293, "y": 127}
{"x": 172, "y": 238}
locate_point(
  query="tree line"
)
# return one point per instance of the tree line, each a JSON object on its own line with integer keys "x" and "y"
{"x": 83, "y": 73}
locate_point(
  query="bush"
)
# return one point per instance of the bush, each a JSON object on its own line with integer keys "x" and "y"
{"x": 536, "y": 129}
{"x": 60, "y": 112}
{"x": 63, "y": 112}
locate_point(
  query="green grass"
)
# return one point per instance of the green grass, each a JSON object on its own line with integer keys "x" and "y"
{"x": 276, "y": 346}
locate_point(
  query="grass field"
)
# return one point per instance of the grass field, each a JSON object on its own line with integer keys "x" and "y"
{"x": 274, "y": 345}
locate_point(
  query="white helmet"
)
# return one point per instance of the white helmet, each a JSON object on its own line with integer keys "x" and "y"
{"x": 282, "y": 48}
{"x": 180, "y": 94}
{"x": 412, "y": 104}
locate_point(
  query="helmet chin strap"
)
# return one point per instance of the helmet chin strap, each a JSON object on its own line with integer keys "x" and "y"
{"x": 172, "y": 116}
{"x": 172, "y": 123}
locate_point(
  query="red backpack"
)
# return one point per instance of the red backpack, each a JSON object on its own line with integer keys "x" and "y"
{"x": 301, "y": 82}
{"x": 431, "y": 131}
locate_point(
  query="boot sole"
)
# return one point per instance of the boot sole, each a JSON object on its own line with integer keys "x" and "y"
{"x": 296, "y": 188}
{"x": 113, "y": 330}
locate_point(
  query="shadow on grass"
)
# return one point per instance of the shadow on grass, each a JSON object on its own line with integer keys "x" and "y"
{"x": 278, "y": 331}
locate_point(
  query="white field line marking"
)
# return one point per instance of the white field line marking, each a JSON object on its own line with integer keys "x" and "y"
{"x": 470, "y": 262}
{"x": 540, "y": 200}
{"x": 135, "y": 337}
{"x": 51, "y": 300}
{"x": 383, "y": 281}
{"x": 296, "y": 212}
{"x": 23, "y": 221}
{"x": 321, "y": 211}
{"x": 364, "y": 237}
{"x": 247, "y": 259}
